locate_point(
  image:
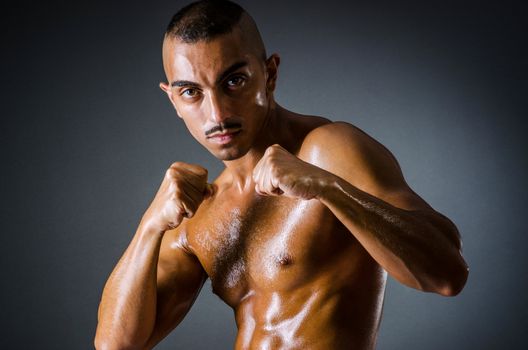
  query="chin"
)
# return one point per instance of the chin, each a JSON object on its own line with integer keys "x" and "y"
{"x": 230, "y": 153}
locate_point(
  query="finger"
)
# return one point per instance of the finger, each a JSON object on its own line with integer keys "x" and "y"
{"x": 187, "y": 205}
{"x": 257, "y": 175}
{"x": 257, "y": 178}
{"x": 262, "y": 187}
{"x": 176, "y": 222}
{"x": 257, "y": 169}
{"x": 265, "y": 181}
{"x": 275, "y": 185}
{"x": 196, "y": 170}
{"x": 259, "y": 191}
{"x": 268, "y": 179}
{"x": 194, "y": 197}
{"x": 195, "y": 182}
{"x": 209, "y": 190}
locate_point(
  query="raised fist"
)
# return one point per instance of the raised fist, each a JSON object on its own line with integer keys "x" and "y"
{"x": 182, "y": 190}
{"x": 281, "y": 173}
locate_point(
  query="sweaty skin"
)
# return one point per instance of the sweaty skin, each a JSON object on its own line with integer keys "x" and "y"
{"x": 297, "y": 234}
{"x": 294, "y": 275}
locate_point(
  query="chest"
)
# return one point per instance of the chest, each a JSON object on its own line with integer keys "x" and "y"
{"x": 267, "y": 242}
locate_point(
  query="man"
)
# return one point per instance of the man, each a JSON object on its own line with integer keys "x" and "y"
{"x": 297, "y": 233}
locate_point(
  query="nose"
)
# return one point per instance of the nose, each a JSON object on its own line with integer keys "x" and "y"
{"x": 218, "y": 108}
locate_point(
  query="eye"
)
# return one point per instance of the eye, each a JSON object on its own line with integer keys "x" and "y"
{"x": 235, "y": 81}
{"x": 189, "y": 93}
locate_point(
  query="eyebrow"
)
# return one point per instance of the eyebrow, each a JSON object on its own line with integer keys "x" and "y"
{"x": 225, "y": 73}
{"x": 181, "y": 83}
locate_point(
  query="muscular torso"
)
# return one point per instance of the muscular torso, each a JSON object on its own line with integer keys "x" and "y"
{"x": 294, "y": 275}
{"x": 296, "y": 278}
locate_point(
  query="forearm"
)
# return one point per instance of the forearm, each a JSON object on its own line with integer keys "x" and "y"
{"x": 419, "y": 248}
{"x": 127, "y": 311}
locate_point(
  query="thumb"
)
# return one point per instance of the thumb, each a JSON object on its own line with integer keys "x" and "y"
{"x": 209, "y": 190}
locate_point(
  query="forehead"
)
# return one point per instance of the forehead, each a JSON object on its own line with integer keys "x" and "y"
{"x": 204, "y": 60}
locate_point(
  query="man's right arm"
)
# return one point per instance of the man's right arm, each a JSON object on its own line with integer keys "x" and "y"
{"x": 156, "y": 281}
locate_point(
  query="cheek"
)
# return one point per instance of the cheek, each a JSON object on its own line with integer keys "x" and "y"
{"x": 260, "y": 94}
{"x": 256, "y": 91}
{"x": 193, "y": 121}
{"x": 193, "y": 128}
{"x": 257, "y": 95}
{"x": 261, "y": 98}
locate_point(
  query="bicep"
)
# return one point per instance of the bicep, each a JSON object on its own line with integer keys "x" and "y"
{"x": 180, "y": 278}
{"x": 354, "y": 156}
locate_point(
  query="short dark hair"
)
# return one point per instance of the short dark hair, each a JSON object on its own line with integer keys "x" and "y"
{"x": 204, "y": 20}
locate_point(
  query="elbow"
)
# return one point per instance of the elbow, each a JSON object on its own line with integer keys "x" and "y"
{"x": 105, "y": 343}
{"x": 451, "y": 270}
{"x": 112, "y": 346}
{"x": 109, "y": 336}
{"x": 457, "y": 282}
{"x": 453, "y": 281}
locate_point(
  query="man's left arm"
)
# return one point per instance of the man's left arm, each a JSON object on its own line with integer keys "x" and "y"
{"x": 360, "y": 181}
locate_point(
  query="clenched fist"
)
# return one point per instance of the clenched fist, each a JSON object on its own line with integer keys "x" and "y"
{"x": 182, "y": 190}
{"x": 281, "y": 173}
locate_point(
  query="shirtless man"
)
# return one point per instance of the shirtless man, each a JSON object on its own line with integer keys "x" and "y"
{"x": 298, "y": 232}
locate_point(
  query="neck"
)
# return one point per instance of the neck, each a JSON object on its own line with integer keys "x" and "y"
{"x": 274, "y": 130}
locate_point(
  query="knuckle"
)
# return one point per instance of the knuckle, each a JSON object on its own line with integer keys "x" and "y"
{"x": 177, "y": 190}
{"x": 202, "y": 170}
{"x": 175, "y": 196}
{"x": 174, "y": 191}
{"x": 171, "y": 172}
{"x": 275, "y": 148}
{"x": 176, "y": 165}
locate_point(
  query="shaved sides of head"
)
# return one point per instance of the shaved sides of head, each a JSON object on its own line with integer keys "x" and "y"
{"x": 205, "y": 20}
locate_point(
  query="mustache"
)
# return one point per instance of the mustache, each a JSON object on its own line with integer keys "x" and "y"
{"x": 223, "y": 127}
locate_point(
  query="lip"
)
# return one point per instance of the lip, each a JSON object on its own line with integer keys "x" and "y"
{"x": 224, "y": 138}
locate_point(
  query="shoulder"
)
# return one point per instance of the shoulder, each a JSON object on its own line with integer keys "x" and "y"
{"x": 350, "y": 153}
{"x": 342, "y": 138}
{"x": 341, "y": 134}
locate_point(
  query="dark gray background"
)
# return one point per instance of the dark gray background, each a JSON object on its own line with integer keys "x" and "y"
{"x": 86, "y": 136}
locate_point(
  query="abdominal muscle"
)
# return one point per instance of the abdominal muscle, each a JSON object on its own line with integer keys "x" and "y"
{"x": 333, "y": 311}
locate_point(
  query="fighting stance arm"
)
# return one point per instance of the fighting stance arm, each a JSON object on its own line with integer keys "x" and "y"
{"x": 361, "y": 183}
{"x": 156, "y": 281}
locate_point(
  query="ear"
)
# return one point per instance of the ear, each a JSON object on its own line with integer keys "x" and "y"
{"x": 272, "y": 68}
{"x": 167, "y": 89}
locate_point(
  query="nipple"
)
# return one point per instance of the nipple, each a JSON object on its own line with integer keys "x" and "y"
{"x": 284, "y": 259}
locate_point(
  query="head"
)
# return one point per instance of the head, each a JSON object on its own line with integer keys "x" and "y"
{"x": 219, "y": 79}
